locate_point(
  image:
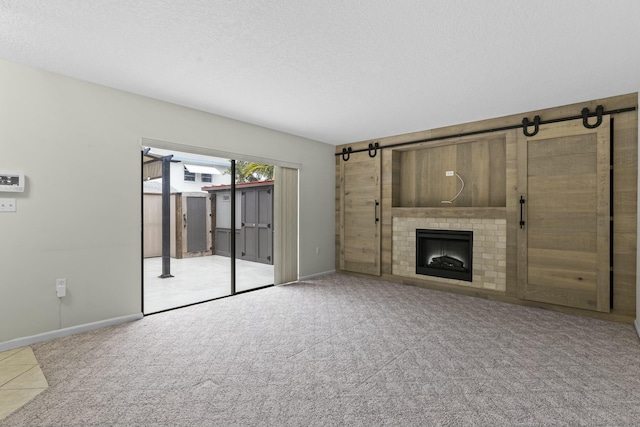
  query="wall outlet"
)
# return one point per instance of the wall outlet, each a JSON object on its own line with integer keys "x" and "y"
{"x": 317, "y": 250}
{"x": 61, "y": 287}
{"x": 449, "y": 173}
{"x": 7, "y": 205}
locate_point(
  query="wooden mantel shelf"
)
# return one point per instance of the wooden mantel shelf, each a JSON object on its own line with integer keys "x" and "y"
{"x": 450, "y": 212}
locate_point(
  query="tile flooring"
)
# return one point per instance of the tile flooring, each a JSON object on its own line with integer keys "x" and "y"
{"x": 20, "y": 379}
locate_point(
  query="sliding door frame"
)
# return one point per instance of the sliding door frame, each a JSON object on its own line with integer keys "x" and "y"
{"x": 286, "y": 211}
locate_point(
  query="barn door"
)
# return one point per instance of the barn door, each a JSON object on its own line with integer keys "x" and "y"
{"x": 360, "y": 214}
{"x": 564, "y": 233}
{"x": 196, "y": 224}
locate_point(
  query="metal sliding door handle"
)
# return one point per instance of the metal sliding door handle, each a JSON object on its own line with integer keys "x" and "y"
{"x": 375, "y": 210}
{"x": 522, "y": 202}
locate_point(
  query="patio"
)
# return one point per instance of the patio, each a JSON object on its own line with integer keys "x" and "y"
{"x": 198, "y": 279}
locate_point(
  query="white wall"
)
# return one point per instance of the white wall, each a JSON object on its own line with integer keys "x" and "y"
{"x": 79, "y": 146}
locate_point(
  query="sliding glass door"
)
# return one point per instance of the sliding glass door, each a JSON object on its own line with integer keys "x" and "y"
{"x": 207, "y": 231}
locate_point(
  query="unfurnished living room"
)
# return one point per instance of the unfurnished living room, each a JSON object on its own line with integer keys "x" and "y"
{"x": 336, "y": 213}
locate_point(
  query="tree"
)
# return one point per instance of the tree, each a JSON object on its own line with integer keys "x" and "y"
{"x": 251, "y": 172}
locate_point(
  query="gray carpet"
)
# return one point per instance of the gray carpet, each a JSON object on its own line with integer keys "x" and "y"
{"x": 342, "y": 350}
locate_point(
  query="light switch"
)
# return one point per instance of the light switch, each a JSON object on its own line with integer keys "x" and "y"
{"x": 7, "y": 205}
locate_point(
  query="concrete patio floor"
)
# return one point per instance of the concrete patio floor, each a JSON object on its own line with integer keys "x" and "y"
{"x": 198, "y": 279}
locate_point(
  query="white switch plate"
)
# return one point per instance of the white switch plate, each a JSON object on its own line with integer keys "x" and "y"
{"x": 449, "y": 173}
{"x": 7, "y": 205}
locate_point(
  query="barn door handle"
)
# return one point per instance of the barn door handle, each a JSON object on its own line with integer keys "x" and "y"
{"x": 585, "y": 117}
{"x": 184, "y": 220}
{"x": 375, "y": 210}
{"x": 522, "y": 202}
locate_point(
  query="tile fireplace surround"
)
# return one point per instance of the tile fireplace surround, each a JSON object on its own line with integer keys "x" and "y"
{"x": 489, "y": 249}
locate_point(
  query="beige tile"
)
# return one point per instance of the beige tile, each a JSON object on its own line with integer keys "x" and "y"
{"x": 8, "y": 373}
{"x": 10, "y": 400}
{"x": 8, "y": 353}
{"x": 23, "y": 357}
{"x": 33, "y": 378}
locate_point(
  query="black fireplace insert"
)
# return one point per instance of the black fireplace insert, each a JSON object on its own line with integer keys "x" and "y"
{"x": 445, "y": 253}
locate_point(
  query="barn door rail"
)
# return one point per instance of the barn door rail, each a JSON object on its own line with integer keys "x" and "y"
{"x": 585, "y": 114}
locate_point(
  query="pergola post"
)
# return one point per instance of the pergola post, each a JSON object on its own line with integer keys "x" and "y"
{"x": 166, "y": 217}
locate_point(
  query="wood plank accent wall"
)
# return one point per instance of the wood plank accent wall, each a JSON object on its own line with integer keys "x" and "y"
{"x": 481, "y": 164}
{"x": 624, "y": 198}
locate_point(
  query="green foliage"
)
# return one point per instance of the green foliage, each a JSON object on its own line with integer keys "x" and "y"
{"x": 251, "y": 172}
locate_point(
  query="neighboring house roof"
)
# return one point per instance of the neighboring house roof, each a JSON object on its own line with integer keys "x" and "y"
{"x": 214, "y": 188}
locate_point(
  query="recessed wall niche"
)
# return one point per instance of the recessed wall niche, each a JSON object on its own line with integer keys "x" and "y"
{"x": 421, "y": 179}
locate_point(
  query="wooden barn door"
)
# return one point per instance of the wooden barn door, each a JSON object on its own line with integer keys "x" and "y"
{"x": 360, "y": 214}
{"x": 563, "y": 244}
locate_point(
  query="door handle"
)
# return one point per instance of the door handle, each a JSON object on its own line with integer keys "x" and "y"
{"x": 522, "y": 202}
{"x": 184, "y": 220}
{"x": 375, "y": 210}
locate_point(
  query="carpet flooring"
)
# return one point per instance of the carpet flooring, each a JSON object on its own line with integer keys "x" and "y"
{"x": 341, "y": 350}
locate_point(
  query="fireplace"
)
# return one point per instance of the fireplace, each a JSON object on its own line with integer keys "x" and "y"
{"x": 444, "y": 253}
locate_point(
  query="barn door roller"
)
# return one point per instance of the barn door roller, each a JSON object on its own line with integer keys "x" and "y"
{"x": 585, "y": 117}
{"x": 536, "y": 126}
{"x": 374, "y": 148}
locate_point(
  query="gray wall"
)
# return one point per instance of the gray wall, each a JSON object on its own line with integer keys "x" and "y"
{"x": 79, "y": 146}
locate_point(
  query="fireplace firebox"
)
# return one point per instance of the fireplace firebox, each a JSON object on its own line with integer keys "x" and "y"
{"x": 445, "y": 253}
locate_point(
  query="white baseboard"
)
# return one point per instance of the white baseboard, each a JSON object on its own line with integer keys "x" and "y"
{"x": 316, "y": 275}
{"x": 637, "y": 326}
{"x": 59, "y": 333}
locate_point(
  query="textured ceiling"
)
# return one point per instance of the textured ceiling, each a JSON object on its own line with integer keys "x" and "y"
{"x": 337, "y": 71}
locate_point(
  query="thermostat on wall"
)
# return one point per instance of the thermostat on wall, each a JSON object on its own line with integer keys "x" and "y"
{"x": 13, "y": 182}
